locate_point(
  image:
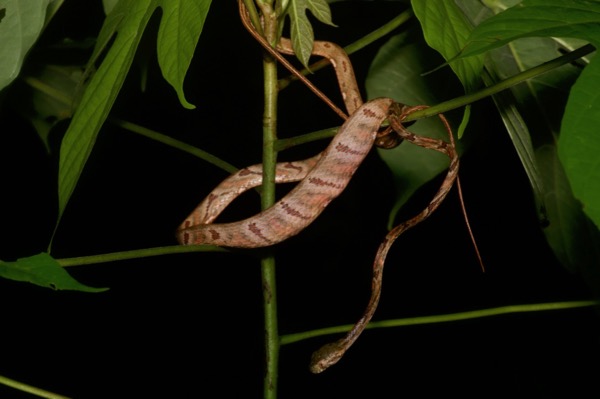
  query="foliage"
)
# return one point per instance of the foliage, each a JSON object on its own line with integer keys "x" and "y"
{"x": 301, "y": 28}
{"x": 552, "y": 119}
{"x": 20, "y": 28}
{"x": 42, "y": 270}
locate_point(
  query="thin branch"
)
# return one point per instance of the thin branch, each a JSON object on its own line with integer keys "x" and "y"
{"x": 30, "y": 389}
{"x": 502, "y": 85}
{"x": 171, "y": 142}
{"x": 284, "y": 144}
{"x": 443, "y": 318}
{"x": 137, "y": 253}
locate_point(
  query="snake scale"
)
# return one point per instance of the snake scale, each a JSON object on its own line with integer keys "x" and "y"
{"x": 321, "y": 179}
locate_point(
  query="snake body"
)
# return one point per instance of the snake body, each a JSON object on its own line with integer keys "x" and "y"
{"x": 321, "y": 183}
{"x": 321, "y": 179}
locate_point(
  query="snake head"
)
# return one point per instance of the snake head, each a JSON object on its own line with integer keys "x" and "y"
{"x": 326, "y": 356}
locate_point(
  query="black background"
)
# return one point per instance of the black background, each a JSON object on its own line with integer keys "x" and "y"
{"x": 190, "y": 325}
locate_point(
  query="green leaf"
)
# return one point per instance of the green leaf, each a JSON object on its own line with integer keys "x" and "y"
{"x": 52, "y": 100}
{"x": 532, "y": 114}
{"x": 446, "y": 29}
{"x": 521, "y": 109}
{"x": 301, "y": 31}
{"x": 572, "y": 236}
{"x": 519, "y": 134}
{"x": 540, "y": 18}
{"x": 533, "y": 118}
{"x": 128, "y": 18}
{"x": 127, "y": 21}
{"x": 109, "y": 5}
{"x": 19, "y": 29}
{"x": 180, "y": 28}
{"x": 579, "y": 143}
{"x": 320, "y": 9}
{"x": 43, "y": 270}
{"x": 396, "y": 72}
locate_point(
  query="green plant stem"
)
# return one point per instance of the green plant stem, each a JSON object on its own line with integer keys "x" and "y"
{"x": 29, "y": 389}
{"x": 48, "y": 90}
{"x": 502, "y": 85}
{"x": 355, "y": 46}
{"x": 411, "y": 321}
{"x": 137, "y": 253}
{"x": 284, "y": 144}
{"x": 272, "y": 341}
{"x": 180, "y": 145}
{"x": 254, "y": 17}
{"x": 267, "y": 200}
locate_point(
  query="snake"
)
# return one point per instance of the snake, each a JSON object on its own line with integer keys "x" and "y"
{"x": 320, "y": 178}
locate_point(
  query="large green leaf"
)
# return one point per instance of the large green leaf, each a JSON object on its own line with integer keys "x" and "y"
{"x": 43, "y": 270}
{"x": 532, "y": 114}
{"x": 572, "y": 236}
{"x": 540, "y": 18}
{"x": 579, "y": 143}
{"x": 180, "y": 28}
{"x": 533, "y": 119}
{"x": 20, "y": 26}
{"x": 396, "y": 72}
{"x": 446, "y": 29}
{"x": 128, "y": 18}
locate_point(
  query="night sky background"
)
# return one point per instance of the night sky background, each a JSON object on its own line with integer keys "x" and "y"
{"x": 189, "y": 325}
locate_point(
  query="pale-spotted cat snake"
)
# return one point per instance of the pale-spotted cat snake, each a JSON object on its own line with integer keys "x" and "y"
{"x": 321, "y": 179}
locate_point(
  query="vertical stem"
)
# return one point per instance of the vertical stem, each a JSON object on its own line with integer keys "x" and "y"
{"x": 271, "y": 332}
{"x": 268, "y": 199}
